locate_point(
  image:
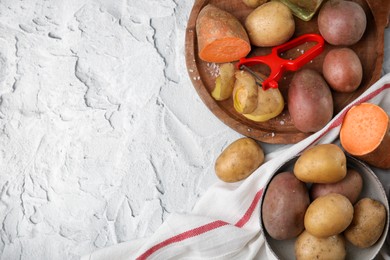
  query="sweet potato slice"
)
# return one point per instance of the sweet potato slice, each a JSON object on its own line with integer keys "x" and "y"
{"x": 221, "y": 36}
{"x": 365, "y": 134}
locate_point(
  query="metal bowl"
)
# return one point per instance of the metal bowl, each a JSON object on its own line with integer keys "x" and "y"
{"x": 372, "y": 188}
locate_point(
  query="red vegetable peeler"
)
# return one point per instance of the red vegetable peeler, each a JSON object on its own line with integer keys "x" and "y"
{"x": 278, "y": 65}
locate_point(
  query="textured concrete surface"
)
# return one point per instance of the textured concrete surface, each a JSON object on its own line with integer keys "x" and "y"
{"x": 102, "y": 134}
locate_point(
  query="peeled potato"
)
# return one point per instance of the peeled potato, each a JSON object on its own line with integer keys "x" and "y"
{"x": 224, "y": 82}
{"x": 245, "y": 92}
{"x": 270, "y": 103}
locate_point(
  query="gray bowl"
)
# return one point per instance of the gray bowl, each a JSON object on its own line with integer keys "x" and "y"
{"x": 372, "y": 188}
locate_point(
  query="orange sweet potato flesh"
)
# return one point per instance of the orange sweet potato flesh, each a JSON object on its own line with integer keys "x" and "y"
{"x": 365, "y": 134}
{"x": 221, "y": 36}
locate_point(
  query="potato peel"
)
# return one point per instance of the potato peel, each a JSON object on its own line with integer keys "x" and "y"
{"x": 270, "y": 103}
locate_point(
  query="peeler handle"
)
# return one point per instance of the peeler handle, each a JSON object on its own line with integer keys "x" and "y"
{"x": 278, "y": 65}
{"x": 307, "y": 56}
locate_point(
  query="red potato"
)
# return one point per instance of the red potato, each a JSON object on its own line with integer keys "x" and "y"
{"x": 310, "y": 101}
{"x": 284, "y": 206}
{"x": 342, "y": 22}
{"x": 350, "y": 186}
{"x": 342, "y": 70}
{"x": 221, "y": 36}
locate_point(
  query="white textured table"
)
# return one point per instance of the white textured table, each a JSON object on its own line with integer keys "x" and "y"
{"x": 102, "y": 134}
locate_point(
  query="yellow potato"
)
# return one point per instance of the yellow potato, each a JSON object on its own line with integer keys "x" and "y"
{"x": 309, "y": 247}
{"x": 328, "y": 215}
{"x": 324, "y": 163}
{"x": 368, "y": 223}
{"x": 254, "y": 3}
{"x": 224, "y": 82}
{"x": 239, "y": 160}
{"x": 245, "y": 92}
{"x": 270, "y": 24}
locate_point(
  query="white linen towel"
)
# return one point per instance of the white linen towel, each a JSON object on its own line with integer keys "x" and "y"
{"x": 225, "y": 222}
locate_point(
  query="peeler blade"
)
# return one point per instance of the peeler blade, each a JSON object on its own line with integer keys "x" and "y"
{"x": 259, "y": 80}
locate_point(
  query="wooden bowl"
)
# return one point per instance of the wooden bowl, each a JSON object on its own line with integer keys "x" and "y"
{"x": 280, "y": 130}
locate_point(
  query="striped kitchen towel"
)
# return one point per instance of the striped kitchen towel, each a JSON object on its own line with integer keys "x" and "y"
{"x": 225, "y": 222}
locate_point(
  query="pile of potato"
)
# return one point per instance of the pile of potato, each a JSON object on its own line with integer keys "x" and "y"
{"x": 319, "y": 204}
{"x": 342, "y": 23}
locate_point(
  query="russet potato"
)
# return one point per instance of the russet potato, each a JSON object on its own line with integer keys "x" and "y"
{"x": 368, "y": 223}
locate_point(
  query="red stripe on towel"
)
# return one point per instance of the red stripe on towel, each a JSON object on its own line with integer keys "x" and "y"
{"x": 203, "y": 229}
{"x": 185, "y": 235}
{"x": 250, "y": 210}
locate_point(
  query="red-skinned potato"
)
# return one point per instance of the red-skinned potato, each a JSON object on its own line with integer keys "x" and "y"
{"x": 350, "y": 186}
{"x": 283, "y": 209}
{"x": 342, "y": 70}
{"x": 342, "y": 22}
{"x": 310, "y": 101}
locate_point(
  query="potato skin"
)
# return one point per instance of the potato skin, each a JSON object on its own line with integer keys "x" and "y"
{"x": 270, "y": 24}
{"x": 342, "y": 70}
{"x": 350, "y": 186}
{"x": 309, "y": 101}
{"x": 309, "y": 247}
{"x": 254, "y": 3}
{"x": 328, "y": 215}
{"x": 283, "y": 209}
{"x": 239, "y": 160}
{"x": 368, "y": 223}
{"x": 323, "y": 163}
{"x": 342, "y": 22}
